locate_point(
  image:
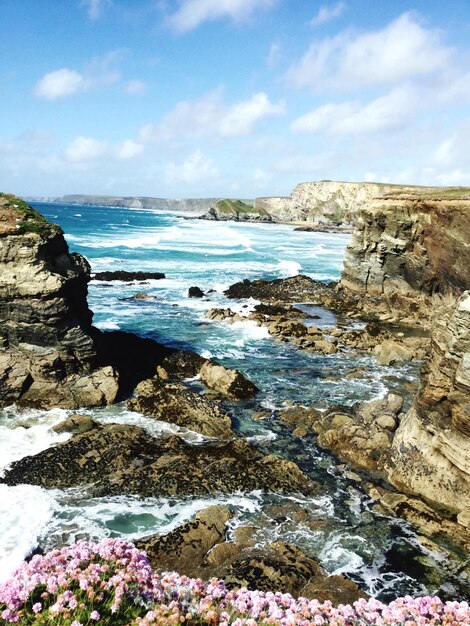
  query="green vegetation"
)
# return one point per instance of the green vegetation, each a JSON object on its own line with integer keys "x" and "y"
{"x": 237, "y": 207}
{"x": 28, "y": 219}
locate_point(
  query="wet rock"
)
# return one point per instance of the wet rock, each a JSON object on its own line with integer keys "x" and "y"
{"x": 229, "y": 382}
{"x": 294, "y": 289}
{"x": 118, "y": 459}
{"x": 183, "y": 364}
{"x": 195, "y": 292}
{"x": 76, "y": 424}
{"x": 175, "y": 403}
{"x": 127, "y": 277}
{"x": 185, "y": 548}
{"x": 141, "y": 296}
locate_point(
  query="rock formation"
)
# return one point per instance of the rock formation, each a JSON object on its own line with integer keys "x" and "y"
{"x": 50, "y": 354}
{"x": 409, "y": 258}
{"x": 237, "y": 211}
{"x": 117, "y": 459}
{"x": 325, "y": 204}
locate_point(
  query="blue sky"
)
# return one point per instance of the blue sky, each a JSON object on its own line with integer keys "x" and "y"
{"x": 237, "y": 98}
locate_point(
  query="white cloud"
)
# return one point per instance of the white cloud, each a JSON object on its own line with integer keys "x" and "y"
{"x": 85, "y": 149}
{"x": 241, "y": 118}
{"x": 210, "y": 117}
{"x": 274, "y": 55}
{"x": 135, "y": 88}
{"x": 129, "y": 149}
{"x": 193, "y": 13}
{"x": 95, "y": 8}
{"x": 385, "y": 113}
{"x": 66, "y": 82}
{"x": 194, "y": 169}
{"x": 60, "y": 84}
{"x": 327, "y": 13}
{"x": 401, "y": 50}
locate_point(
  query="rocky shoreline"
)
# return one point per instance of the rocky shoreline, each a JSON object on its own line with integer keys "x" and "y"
{"x": 405, "y": 278}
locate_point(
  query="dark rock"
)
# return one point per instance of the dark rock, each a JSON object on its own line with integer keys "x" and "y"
{"x": 195, "y": 292}
{"x": 127, "y": 276}
{"x": 177, "y": 404}
{"x": 118, "y": 459}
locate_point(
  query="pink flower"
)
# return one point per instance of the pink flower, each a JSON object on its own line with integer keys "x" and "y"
{"x": 94, "y": 615}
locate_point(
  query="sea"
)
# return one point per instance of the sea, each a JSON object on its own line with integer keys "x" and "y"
{"x": 342, "y": 528}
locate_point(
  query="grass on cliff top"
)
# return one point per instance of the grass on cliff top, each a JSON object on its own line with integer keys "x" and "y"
{"x": 28, "y": 219}
{"x": 432, "y": 193}
{"x": 237, "y": 206}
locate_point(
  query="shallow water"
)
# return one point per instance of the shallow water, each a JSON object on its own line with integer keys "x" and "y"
{"x": 339, "y": 528}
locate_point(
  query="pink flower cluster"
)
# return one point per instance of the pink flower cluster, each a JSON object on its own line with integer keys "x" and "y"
{"x": 112, "y": 583}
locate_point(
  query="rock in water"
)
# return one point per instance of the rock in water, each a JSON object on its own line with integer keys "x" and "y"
{"x": 117, "y": 459}
{"x": 177, "y": 404}
{"x": 128, "y": 276}
{"x": 195, "y": 292}
{"x": 229, "y": 382}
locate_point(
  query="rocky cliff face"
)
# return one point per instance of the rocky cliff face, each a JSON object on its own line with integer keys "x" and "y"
{"x": 410, "y": 255}
{"x": 47, "y": 349}
{"x": 324, "y": 204}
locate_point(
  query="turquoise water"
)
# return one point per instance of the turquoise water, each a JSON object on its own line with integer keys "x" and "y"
{"x": 341, "y": 529}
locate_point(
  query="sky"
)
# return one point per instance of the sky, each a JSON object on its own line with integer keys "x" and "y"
{"x": 231, "y": 98}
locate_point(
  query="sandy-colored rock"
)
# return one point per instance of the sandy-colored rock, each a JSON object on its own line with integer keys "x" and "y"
{"x": 231, "y": 383}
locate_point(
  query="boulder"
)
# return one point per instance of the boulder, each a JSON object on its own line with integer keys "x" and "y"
{"x": 175, "y": 403}
{"x": 195, "y": 292}
{"x": 229, "y": 382}
{"x": 390, "y": 351}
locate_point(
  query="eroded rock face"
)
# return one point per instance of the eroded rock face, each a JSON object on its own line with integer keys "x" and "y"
{"x": 118, "y": 459}
{"x": 410, "y": 256}
{"x": 406, "y": 248}
{"x": 431, "y": 449}
{"x": 325, "y": 204}
{"x": 46, "y": 343}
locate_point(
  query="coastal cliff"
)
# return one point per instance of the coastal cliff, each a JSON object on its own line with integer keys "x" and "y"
{"x": 50, "y": 354}
{"x": 236, "y": 211}
{"x": 408, "y": 261}
{"x": 326, "y": 204}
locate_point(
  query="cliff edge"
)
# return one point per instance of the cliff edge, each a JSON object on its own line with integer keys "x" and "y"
{"x": 325, "y": 204}
{"x": 408, "y": 261}
{"x": 50, "y": 354}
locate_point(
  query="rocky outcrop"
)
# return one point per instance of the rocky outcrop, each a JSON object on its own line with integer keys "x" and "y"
{"x": 46, "y": 342}
{"x": 175, "y": 403}
{"x": 117, "y": 459}
{"x": 237, "y": 211}
{"x": 407, "y": 248}
{"x": 325, "y": 204}
{"x": 199, "y": 548}
{"x": 50, "y": 354}
{"x": 228, "y": 382}
{"x": 408, "y": 261}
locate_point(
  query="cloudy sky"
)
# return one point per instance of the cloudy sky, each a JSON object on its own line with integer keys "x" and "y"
{"x": 240, "y": 98}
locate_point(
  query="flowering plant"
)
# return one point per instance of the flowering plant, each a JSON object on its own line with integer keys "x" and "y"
{"x": 112, "y": 583}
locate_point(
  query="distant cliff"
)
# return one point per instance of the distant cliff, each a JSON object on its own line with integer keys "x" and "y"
{"x": 191, "y": 205}
{"x": 237, "y": 211}
{"x": 410, "y": 258}
{"x": 326, "y": 204}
